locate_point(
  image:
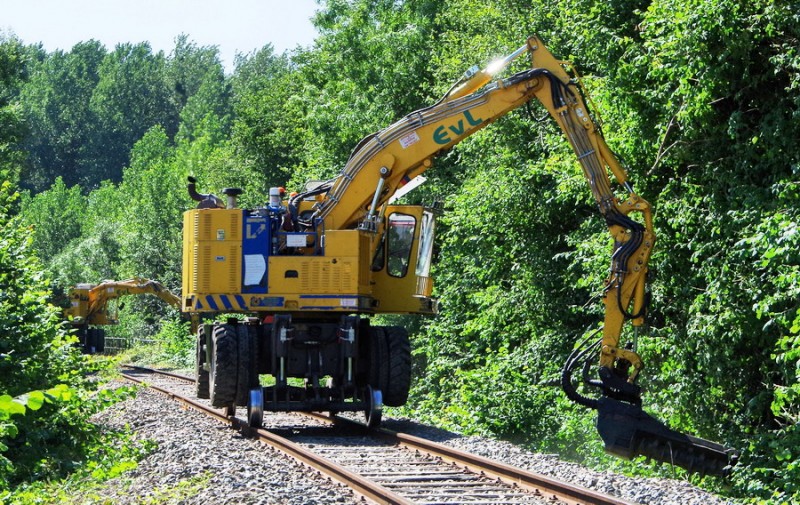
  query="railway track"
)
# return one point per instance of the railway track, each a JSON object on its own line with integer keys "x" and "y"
{"x": 382, "y": 465}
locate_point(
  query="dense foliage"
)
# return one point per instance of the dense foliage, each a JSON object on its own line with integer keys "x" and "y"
{"x": 45, "y": 397}
{"x": 699, "y": 98}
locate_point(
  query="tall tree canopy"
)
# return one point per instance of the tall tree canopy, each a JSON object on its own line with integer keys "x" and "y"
{"x": 13, "y": 72}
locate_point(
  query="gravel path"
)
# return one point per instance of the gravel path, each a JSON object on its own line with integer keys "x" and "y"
{"x": 201, "y": 461}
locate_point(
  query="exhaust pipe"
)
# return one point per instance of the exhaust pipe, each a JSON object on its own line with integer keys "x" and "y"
{"x": 208, "y": 201}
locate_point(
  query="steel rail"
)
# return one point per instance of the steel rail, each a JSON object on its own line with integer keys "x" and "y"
{"x": 530, "y": 481}
{"x": 160, "y": 372}
{"x": 537, "y": 484}
{"x": 360, "y": 485}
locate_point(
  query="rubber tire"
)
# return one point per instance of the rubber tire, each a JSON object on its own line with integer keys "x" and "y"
{"x": 247, "y": 374}
{"x": 201, "y": 388}
{"x": 378, "y": 358}
{"x": 99, "y": 340}
{"x": 395, "y": 394}
{"x": 223, "y": 374}
{"x": 90, "y": 342}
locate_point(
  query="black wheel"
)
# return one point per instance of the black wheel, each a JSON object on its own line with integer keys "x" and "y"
{"x": 90, "y": 346}
{"x": 374, "y": 410}
{"x": 223, "y": 371}
{"x": 248, "y": 360}
{"x": 82, "y": 333}
{"x": 395, "y": 394}
{"x": 229, "y": 410}
{"x": 378, "y": 358}
{"x": 99, "y": 340}
{"x": 201, "y": 389}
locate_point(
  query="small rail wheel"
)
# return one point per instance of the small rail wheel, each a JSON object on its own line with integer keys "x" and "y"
{"x": 374, "y": 410}
{"x": 255, "y": 408}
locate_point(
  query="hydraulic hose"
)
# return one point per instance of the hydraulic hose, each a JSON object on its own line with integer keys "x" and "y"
{"x": 577, "y": 356}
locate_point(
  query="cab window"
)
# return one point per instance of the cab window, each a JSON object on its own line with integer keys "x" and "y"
{"x": 399, "y": 242}
{"x": 425, "y": 252}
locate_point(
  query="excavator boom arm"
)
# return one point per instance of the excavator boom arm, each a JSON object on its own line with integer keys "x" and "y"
{"x": 384, "y": 161}
{"x": 387, "y": 159}
{"x": 90, "y": 302}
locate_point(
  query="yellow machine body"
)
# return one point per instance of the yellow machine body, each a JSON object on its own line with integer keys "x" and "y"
{"x": 233, "y": 261}
{"x": 89, "y": 307}
{"x": 89, "y": 302}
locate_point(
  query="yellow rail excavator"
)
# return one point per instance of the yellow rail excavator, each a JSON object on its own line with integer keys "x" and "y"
{"x": 310, "y": 270}
{"x": 89, "y": 307}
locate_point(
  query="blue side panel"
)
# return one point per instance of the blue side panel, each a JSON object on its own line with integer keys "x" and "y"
{"x": 255, "y": 252}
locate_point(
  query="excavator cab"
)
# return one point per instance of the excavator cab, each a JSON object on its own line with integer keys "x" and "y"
{"x": 402, "y": 261}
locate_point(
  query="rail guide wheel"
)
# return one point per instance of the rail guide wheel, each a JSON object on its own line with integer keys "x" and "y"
{"x": 374, "y": 407}
{"x": 255, "y": 408}
{"x": 331, "y": 384}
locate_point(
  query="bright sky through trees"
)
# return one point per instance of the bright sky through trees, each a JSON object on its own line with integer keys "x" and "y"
{"x": 235, "y": 26}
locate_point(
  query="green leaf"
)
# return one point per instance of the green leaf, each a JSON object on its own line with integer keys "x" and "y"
{"x": 62, "y": 392}
{"x": 35, "y": 400}
{"x": 9, "y": 430}
{"x": 10, "y": 406}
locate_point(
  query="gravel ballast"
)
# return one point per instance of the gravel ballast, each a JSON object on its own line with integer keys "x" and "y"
{"x": 194, "y": 448}
{"x": 646, "y": 491}
{"x": 200, "y": 460}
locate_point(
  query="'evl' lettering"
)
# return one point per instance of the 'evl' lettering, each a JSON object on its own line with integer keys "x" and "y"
{"x": 442, "y": 136}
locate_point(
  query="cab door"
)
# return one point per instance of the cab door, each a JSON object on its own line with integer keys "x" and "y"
{"x": 401, "y": 264}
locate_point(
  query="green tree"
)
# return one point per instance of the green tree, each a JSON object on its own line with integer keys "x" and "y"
{"x": 56, "y": 216}
{"x": 35, "y": 351}
{"x": 13, "y": 73}
{"x": 200, "y": 88}
{"x": 128, "y": 100}
{"x": 151, "y": 225}
{"x": 268, "y": 132}
{"x": 95, "y": 255}
{"x": 45, "y": 399}
{"x": 62, "y": 125}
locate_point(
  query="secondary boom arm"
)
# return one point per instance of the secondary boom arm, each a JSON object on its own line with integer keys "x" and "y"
{"x": 90, "y": 302}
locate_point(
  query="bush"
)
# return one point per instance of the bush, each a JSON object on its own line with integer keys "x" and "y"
{"x": 46, "y": 395}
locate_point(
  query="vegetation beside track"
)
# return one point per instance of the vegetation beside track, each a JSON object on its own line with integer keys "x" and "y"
{"x": 48, "y": 390}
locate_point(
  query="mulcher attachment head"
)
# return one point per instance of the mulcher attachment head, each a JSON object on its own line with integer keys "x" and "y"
{"x": 628, "y": 431}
